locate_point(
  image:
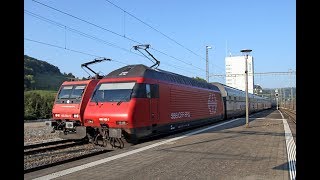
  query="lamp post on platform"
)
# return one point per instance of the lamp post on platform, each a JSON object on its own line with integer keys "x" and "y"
{"x": 246, "y": 52}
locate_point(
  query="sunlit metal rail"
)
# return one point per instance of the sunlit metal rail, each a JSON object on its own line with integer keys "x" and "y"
{"x": 46, "y": 144}
{"x": 290, "y": 113}
{"x": 39, "y": 148}
{"x": 64, "y": 160}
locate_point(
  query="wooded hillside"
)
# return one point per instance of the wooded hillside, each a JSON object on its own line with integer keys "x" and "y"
{"x": 40, "y": 75}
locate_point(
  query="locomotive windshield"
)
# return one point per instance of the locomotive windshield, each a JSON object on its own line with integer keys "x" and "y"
{"x": 124, "y": 91}
{"x": 71, "y": 92}
{"x": 113, "y": 92}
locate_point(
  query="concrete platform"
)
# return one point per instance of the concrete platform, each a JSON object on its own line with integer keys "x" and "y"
{"x": 226, "y": 150}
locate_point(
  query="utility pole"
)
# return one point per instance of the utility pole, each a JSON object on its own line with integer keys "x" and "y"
{"x": 207, "y": 63}
{"x": 246, "y": 53}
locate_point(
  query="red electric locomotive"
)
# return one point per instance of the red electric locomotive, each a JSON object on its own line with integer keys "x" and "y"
{"x": 68, "y": 108}
{"x": 70, "y": 103}
{"x": 135, "y": 102}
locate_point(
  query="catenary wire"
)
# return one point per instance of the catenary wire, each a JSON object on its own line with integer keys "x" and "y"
{"x": 135, "y": 17}
{"x": 81, "y": 52}
{"x": 80, "y": 19}
{"x": 92, "y": 37}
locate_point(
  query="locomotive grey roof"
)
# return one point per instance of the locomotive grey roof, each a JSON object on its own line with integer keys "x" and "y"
{"x": 140, "y": 70}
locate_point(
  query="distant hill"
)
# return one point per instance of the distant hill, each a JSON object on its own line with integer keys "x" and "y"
{"x": 41, "y": 75}
{"x": 283, "y": 92}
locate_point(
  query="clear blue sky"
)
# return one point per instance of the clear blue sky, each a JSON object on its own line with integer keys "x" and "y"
{"x": 267, "y": 27}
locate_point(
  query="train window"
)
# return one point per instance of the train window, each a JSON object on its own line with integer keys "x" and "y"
{"x": 113, "y": 92}
{"x": 65, "y": 92}
{"x": 73, "y": 91}
{"x": 142, "y": 90}
{"x": 139, "y": 91}
{"x": 148, "y": 91}
{"x": 77, "y": 91}
{"x": 154, "y": 90}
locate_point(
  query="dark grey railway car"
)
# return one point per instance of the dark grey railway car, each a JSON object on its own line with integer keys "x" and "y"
{"x": 234, "y": 101}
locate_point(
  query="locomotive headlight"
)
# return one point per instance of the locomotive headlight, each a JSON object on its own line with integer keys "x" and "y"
{"x": 57, "y": 115}
{"x": 76, "y": 116}
{"x": 121, "y": 122}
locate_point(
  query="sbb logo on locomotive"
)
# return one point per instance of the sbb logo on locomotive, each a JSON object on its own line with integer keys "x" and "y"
{"x": 212, "y": 103}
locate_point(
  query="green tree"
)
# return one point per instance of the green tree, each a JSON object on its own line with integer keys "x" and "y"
{"x": 32, "y": 105}
{"x": 199, "y": 79}
{"x": 28, "y": 82}
{"x": 38, "y": 104}
{"x": 42, "y": 75}
{"x": 45, "y": 110}
{"x": 71, "y": 75}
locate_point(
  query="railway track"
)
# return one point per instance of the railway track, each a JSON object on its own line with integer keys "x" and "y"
{"x": 62, "y": 160}
{"x": 290, "y": 113}
{"x": 44, "y": 155}
{"x": 50, "y": 146}
{"x": 45, "y": 143}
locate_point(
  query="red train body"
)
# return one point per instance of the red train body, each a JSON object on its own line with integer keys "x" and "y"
{"x": 69, "y": 105}
{"x": 135, "y": 102}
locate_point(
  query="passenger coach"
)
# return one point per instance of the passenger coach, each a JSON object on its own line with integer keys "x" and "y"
{"x": 234, "y": 101}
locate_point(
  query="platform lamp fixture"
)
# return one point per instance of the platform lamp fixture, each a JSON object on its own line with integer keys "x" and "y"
{"x": 207, "y": 63}
{"x": 246, "y": 52}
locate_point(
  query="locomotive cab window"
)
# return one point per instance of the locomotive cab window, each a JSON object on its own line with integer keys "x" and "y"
{"x": 65, "y": 92}
{"x": 148, "y": 91}
{"x": 124, "y": 91}
{"x": 154, "y": 90}
{"x": 73, "y": 92}
{"x": 142, "y": 90}
{"x": 113, "y": 92}
{"x": 77, "y": 92}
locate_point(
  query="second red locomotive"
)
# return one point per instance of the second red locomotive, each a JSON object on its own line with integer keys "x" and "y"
{"x": 70, "y": 103}
{"x": 68, "y": 108}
